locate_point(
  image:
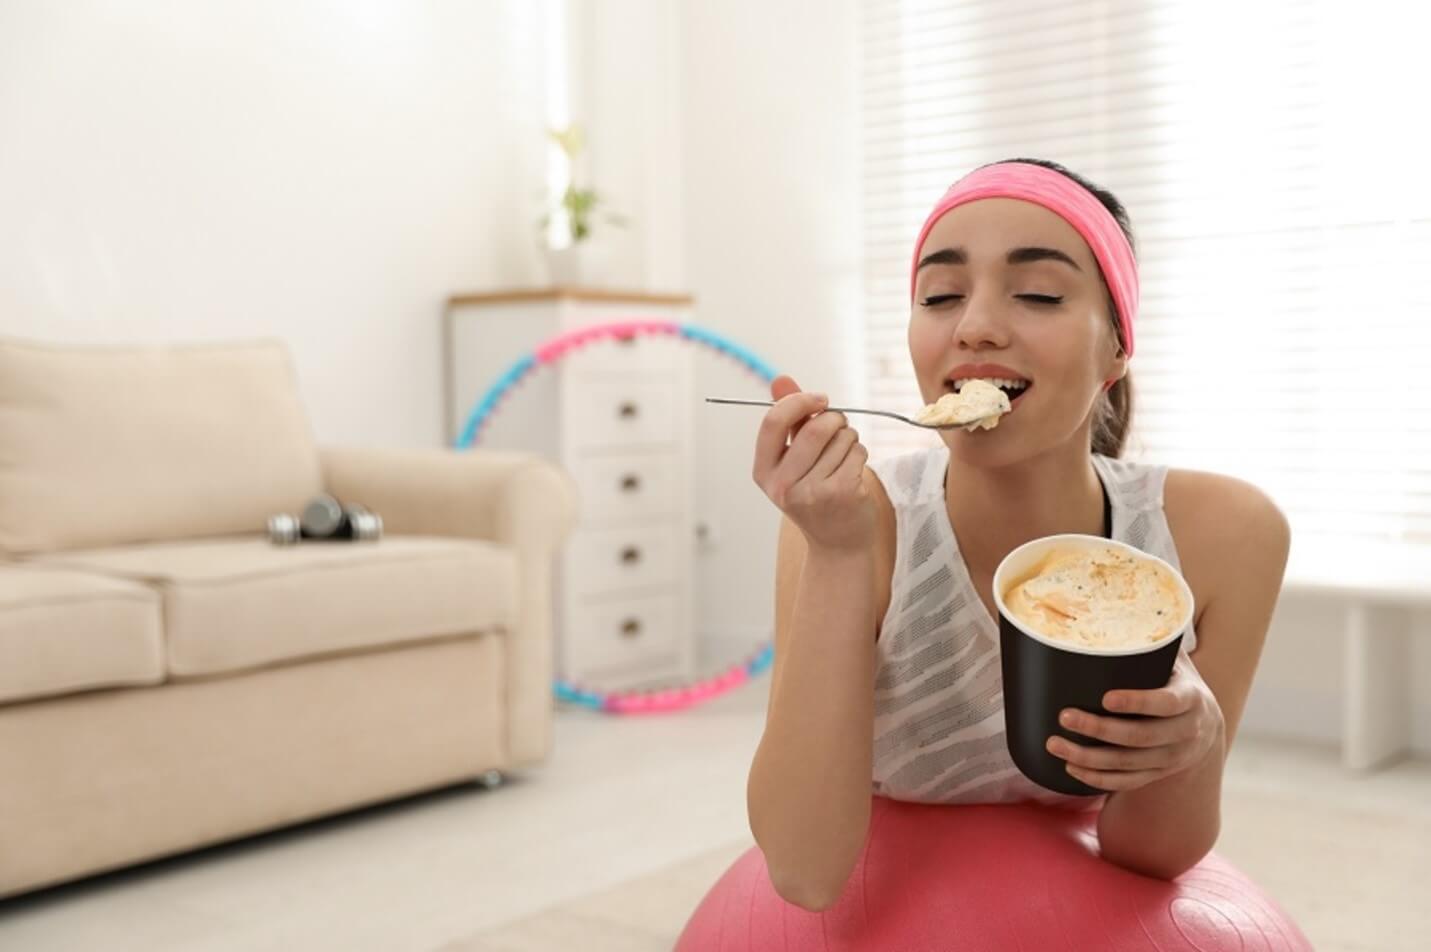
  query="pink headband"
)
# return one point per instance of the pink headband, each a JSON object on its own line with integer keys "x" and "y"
{"x": 1071, "y": 202}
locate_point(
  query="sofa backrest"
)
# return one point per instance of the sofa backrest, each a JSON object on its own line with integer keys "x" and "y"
{"x": 105, "y": 445}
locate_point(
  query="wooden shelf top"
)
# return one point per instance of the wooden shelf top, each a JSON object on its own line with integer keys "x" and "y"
{"x": 598, "y": 295}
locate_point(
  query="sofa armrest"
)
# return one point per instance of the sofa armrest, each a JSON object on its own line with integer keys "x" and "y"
{"x": 515, "y": 499}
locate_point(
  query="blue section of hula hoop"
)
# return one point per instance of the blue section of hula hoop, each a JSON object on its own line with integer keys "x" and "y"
{"x": 572, "y": 695}
{"x": 761, "y": 661}
{"x": 489, "y": 400}
{"x": 716, "y": 342}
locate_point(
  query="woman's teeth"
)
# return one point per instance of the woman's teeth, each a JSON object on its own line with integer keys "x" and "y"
{"x": 1009, "y": 386}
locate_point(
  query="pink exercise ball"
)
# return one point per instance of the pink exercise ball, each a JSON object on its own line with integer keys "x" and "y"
{"x": 989, "y": 878}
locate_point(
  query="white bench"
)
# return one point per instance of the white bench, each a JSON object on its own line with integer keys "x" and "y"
{"x": 1380, "y": 586}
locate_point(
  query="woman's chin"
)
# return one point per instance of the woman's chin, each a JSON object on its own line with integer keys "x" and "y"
{"x": 978, "y": 443}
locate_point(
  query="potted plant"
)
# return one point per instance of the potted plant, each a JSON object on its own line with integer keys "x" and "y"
{"x": 573, "y": 257}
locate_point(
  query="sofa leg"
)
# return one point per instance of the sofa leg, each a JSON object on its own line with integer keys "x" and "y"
{"x": 491, "y": 780}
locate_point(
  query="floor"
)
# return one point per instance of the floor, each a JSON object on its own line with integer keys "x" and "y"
{"x": 612, "y": 844}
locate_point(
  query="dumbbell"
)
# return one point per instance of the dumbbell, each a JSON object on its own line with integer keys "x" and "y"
{"x": 325, "y": 518}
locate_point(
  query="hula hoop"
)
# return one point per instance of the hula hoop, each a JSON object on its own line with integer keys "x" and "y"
{"x": 549, "y": 352}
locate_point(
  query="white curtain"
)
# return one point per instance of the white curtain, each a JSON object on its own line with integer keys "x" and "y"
{"x": 1274, "y": 158}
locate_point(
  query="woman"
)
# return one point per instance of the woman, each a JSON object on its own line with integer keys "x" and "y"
{"x": 886, "y": 664}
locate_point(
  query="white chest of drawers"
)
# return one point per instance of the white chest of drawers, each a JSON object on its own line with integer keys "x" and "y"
{"x": 618, "y": 416}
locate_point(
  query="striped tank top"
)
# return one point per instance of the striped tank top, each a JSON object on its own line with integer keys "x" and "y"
{"x": 939, "y": 702}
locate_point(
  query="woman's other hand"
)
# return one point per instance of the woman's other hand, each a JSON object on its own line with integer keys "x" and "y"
{"x": 1180, "y": 725}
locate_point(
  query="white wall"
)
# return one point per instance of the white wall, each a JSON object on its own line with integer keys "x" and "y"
{"x": 772, "y": 245}
{"x": 323, "y": 171}
{"x": 627, "y": 92}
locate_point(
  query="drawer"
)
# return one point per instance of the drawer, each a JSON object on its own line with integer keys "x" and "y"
{"x": 604, "y": 413}
{"x": 621, "y": 636}
{"x": 641, "y": 354}
{"x": 611, "y": 560}
{"x": 624, "y": 487}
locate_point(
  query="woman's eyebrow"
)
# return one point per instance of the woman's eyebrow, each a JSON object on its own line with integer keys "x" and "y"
{"x": 944, "y": 256}
{"x": 1016, "y": 256}
{"x": 1030, "y": 255}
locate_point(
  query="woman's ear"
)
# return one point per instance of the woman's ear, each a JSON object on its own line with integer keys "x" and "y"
{"x": 1117, "y": 367}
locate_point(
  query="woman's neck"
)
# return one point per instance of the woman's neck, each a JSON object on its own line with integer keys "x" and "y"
{"x": 993, "y": 511}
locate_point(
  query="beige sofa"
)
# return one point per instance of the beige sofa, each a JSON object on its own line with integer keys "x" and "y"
{"x": 169, "y": 678}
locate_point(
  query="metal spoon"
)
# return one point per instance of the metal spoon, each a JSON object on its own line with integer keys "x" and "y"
{"x": 883, "y": 413}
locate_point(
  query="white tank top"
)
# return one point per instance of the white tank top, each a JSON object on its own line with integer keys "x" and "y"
{"x": 939, "y": 700}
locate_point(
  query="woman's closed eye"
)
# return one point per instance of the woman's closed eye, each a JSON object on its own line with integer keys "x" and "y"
{"x": 1049, "y": 300}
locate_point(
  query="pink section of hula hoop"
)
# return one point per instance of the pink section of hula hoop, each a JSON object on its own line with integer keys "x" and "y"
{"x": 675, "y": 699}
{"x": 557, "y": 347}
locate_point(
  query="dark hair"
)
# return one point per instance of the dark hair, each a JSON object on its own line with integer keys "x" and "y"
{"x": 1113, "y": 413}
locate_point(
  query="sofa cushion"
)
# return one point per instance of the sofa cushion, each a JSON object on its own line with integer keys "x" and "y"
{"x": 112, "y": 445}
{"x": 63, "y": 631}
{"x": 232, "y": 604}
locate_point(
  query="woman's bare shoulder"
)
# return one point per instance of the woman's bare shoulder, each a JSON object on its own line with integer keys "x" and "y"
{"x": 1215, "y": 506}
{"x": 1225, "y": 528}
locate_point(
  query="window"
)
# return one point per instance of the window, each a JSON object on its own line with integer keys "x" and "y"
{"x": 1271, "y": 158}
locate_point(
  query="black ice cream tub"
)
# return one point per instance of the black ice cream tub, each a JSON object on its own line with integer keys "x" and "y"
{"x": 1044, "y": 675}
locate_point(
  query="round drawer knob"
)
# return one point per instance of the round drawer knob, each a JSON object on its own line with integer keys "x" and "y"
{"x": 630, "y": 555}
{"x": 630, "y": 483}
{"x": 628, "y": 410}
{"x": 631, "y": 628}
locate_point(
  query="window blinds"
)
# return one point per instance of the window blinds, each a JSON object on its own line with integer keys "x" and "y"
{"x": 1272, "y": 157}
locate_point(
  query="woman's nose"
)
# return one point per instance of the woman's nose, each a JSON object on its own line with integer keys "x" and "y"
{"x": 982, "y": 324}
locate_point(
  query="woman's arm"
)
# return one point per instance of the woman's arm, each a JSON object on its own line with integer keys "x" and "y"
{"x": 1166, "y": 827}
{"x": 809, "y": 789}
{"x": 1166, "y": 780}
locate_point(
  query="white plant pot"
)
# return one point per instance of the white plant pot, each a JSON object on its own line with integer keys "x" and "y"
{"x": 585, "y": 264}
{"x": 564, "y": 266}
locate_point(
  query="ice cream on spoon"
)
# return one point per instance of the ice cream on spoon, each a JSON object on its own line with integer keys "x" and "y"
{"x": 977, "y": 405}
